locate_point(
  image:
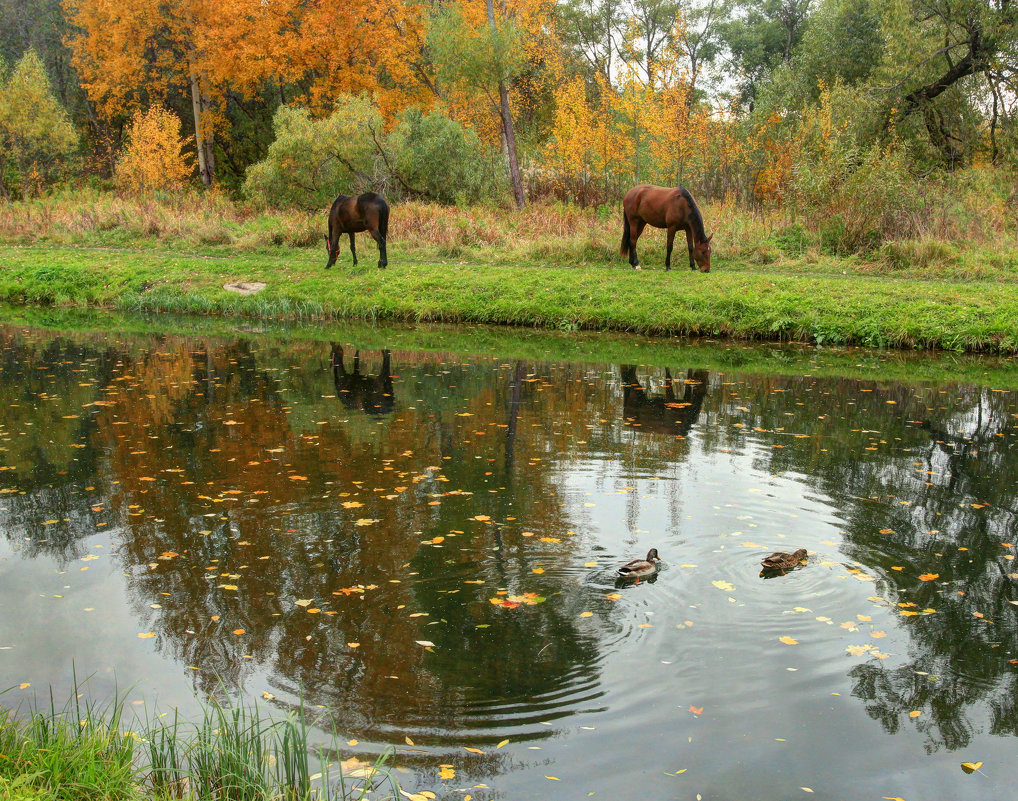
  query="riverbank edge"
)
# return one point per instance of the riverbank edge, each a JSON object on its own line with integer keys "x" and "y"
{"x": 744, "y": 304}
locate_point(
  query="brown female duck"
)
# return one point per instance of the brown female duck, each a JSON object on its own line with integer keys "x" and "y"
{"x": 639, "y": 568}
{"x": 784, "y": 561}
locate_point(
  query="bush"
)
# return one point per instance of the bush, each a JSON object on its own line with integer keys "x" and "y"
{"x": 153, "y": 159}
{"x": 312, "y": 161}
{"x": 37, "y": 139}
{"x": 437, "y": 157}
{"x": 856, "y": 197}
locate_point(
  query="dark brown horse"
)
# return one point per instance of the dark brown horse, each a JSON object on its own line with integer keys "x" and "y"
{"x": 351, "y": 215}
{"x": 672, "y": 209}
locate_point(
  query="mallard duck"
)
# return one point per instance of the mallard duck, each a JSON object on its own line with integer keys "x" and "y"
{"x": 641, "y": 567}
{"x": 784, "y": 561}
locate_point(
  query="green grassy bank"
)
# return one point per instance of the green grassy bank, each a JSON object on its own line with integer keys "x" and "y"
{"x": 773, "y": 303}
{"x": 551, "y": 266}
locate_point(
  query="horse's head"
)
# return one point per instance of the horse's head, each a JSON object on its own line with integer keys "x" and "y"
{"x": 701, "y": 254}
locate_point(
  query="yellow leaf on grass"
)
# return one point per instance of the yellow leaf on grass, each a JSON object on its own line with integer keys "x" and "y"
{"x": 788, "y": 640}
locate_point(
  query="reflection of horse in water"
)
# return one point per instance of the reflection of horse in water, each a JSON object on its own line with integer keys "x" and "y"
{"x": 665, "y": 414}
{"x": 372, "y": 394}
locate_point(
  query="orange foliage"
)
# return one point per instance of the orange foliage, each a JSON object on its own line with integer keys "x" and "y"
{"x": 153, "y": 158}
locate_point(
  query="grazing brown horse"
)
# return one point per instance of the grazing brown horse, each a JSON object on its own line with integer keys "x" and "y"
{"x": 667, "y": 208}
{"x": 351, "y": 215}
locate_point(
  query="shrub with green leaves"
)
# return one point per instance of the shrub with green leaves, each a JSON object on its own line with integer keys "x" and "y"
{"x": 37, "y": 139}
{"x": 312, "y": 161}
{"x": 436, "y": 157}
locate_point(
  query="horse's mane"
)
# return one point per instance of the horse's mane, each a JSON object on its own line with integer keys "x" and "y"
{"x": 694, "y": 216}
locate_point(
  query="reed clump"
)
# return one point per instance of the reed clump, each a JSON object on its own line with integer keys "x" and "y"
{"x": 88, "y": 752}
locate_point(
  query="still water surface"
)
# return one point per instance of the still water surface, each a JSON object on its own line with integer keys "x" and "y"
{"x": 422, "y": 545}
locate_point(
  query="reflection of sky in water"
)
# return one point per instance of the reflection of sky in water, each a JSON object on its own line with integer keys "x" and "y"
{"x": 277, "y": 472}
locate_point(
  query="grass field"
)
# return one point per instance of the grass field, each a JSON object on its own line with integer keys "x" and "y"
{"x": 548, "y": 267}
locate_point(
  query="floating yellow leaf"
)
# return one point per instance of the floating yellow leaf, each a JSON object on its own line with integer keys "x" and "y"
{"x": 613, "y": 596}
{"x": 969, "y": 767}
{"x": 238, "y": 632}
{"x": 586, "y": 614}
{"x": 472, "y": 750}
{"x": 24, "y": 685}
{"x": 724, "y": 585}
{"x": 557, "y": 779}
{"x": 425, "y": 643}
{"x": 352, "y": 504}
{"x": 914, "y": 713}
{"x": 788, "y": 640}
{"x": 878, "y": 634}
{"x": 353, "y": 645}
{"x": 146, "y": 635}
{"x": 929, "y": 576}
{"x": 267, "y": 695}
{"x": 365, "y": 521}
{"x": 537, "y": 570}
{"x": 446, "y": 773}
{"x": 504, "y": 742}
{"x": 408, "y": 741}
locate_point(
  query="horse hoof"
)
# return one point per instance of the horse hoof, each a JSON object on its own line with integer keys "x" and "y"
{"x": 637, "y": 267}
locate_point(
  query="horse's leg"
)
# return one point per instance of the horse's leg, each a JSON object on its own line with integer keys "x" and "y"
{"x": 353, "y": 249}
{"x": 332, "y": 243}
{"x": 382, "y": 260}
{"x": 689, "y": 247}
{"x": 635, "y": 229}
{"x": 668, "y": 252}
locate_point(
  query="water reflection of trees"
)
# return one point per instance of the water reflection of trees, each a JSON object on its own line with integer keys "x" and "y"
{"x": 926, "y": 484}
{"x": 244, "y": 464}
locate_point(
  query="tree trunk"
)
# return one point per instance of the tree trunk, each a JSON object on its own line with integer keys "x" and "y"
{"x": 507, "y": 124}
{"x": 204, "y": 141}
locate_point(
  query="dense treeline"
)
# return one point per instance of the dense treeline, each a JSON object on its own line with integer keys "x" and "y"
{"x": 812, "y": 103}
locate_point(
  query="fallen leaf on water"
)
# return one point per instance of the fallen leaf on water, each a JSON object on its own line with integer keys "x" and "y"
{"x": 479, "y": 751}
{"x": 788, "y": 640}
{"x": 696, "y": 710}
{"x": 504, "y": 742}
{"x": 914, "y": 713}
{"x": 537, "y": 570}
{"x": 238, "y": 632}
{"x": 553, "y": 778}
{"x": 425, "y": 643}
{"x": 408, "y": 741}
{"x": 806, "y": 789}
{"x": 298, "y": 478}
{"x": 365, "y": 521}
{"x": 352, "y": 504}
{"x": 586, "y": 614}
{"x": 267, "y": 695}
{"x": 929, "y": 576}
{"x": 970, "y": 767}
{"x": 146, "y": 635}
{"x": 445, "y": 772}
{"x": 724, "y": 585}
{"x": 613, "y": 596}
{"x": 304, "y": 601}
{"x": 24, "y": 685}
{"x": 893, "y": 798}
{"x": 355, "y": 767}
{"x": 878, "y": 634}
{"x": 412, "y": 796}
{"x": 353, "y": 645}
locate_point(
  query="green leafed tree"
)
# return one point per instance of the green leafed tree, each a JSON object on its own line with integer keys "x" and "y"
{"x": 38, "y": 139}
{"x": 312, "y": 161}
{"x": 486, "y": 62}
{"x": 435, "y": 157}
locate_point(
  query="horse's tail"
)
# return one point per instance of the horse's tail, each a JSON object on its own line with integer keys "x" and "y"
{"x": 627, "y": 242}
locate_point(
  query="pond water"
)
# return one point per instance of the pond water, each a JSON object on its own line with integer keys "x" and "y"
{"x": 420, "y": 546}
